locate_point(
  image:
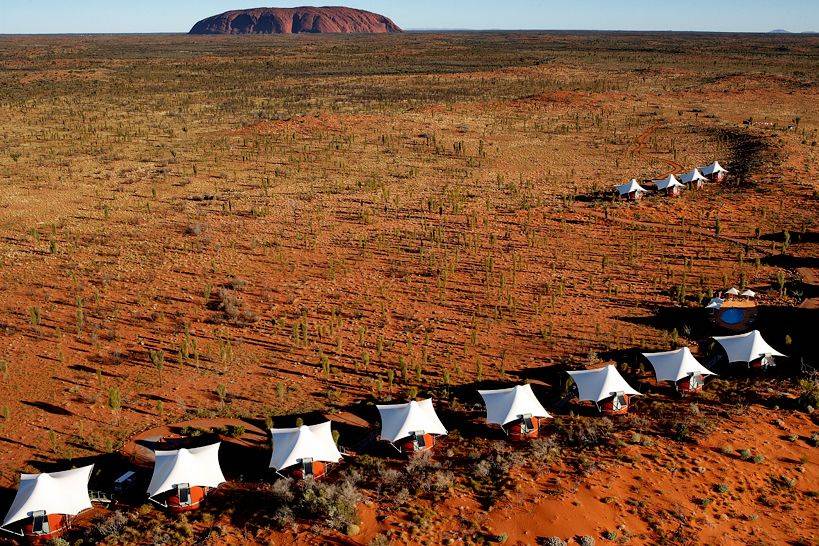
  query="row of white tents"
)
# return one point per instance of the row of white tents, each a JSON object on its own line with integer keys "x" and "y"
{"x": 671, "y": 184}
{"x": 67, "y": 494}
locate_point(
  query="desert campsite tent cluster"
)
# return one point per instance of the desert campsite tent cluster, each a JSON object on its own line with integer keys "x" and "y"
{"x": 46, "y": 504}
{"x": 671, "y": 185}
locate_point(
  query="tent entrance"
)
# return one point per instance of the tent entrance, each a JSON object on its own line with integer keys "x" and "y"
{"x": 40, "y": 523}
{"x": 306, "y": 467}
{"x": 527, "y": 424}
{"x": 183, "y": 493}
{"x": 419, "y": 440}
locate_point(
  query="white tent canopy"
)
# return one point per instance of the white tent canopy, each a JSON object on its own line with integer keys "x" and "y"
{"x": 693, "y": 176}
{"x": 669, "y": 182}
{"x": 597, "y": 385}
{"x": 746, "y": 347}
{"x": 507, "y": 405}
{"x": 676, "y": 365}
{"x": 55, "y": 493}
{"x": 292, "y": 445}
{"x": 748, "y": 293}
{"x": 715, "y": 303}
{"x": 401, "y": 420}
{"x": 197, "y": 467}
{"x": 631, "y": 187}
{"x": 732, "y": 292}
{"x": 712, "y": 169}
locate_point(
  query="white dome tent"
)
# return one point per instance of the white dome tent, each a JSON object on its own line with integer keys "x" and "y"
{"x": 631, "y": 190}
{"x": 416, "y": 421}
{"x": 189, "y": 473}
{"x": 304, "y": 446}
{"x": 750, "y": 348}
{"x": 694, "y": 178}
{"x": 714, "y": 171}
{"x": 670, "y": 185}
{"x": 680, "y": 367}
{"x": 604, "y": 385}
{"x": 49, "y": 494}
{"x": 516, "y": 405}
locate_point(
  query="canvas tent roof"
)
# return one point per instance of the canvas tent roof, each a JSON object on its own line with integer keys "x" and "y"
{"x": 732, "y": 292}
{"x": 507, "y": 405}
{"x": 55, "y": 493}
{"x": 197, "y": 467}
{"x": 692, "y": 176}
{"x": 400, "y": 420}
{"x": 669, "y": 182}
{"x": 713, "y": 168}
{"x": 630, "y": 187}
{"x": 715, "y": 303}
{"x": 748, "y": 293}
{"x": 290, "y": 445}
{"x": 597, "y": 385}
{"x": 676, "y": 365}
{"x": 746, "y": 347}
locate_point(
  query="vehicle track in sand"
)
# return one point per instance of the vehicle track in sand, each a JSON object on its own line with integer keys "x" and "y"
{"x": 640, "y": 144}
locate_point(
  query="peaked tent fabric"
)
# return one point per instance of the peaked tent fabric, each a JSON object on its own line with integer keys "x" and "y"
{"x": 732, "y": 292}
{"x": 748, "y": 293}
{"x": 631, "y": 187}
{"x": 746, "y": 347}
{"x": 599, "y": 384}
{"x": 712, "y": 169}
{"x": 676, "y": 365}
{"x": 507, "y": 405}
{"x": 55, "y": 493}
{"x": 669, "y": 182}
{"x": 693, "y": 176}
{"x": 400, "y": 420}
{"x": 715, "y": 303}
{"x": 290, "y": 445}
{"x": 197, "y": 467}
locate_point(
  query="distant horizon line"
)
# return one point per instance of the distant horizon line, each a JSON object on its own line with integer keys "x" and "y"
{"x": 778, "y": 32}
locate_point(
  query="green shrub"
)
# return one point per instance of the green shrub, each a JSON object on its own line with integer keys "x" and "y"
{"x": 554, "y": 541}
{"x": 334, "y": 505}
{"x": 809, "y": 393}
{"x": 236, "y": 431}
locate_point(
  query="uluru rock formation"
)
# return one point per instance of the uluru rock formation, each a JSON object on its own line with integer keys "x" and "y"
{"x": 296, "y": 20}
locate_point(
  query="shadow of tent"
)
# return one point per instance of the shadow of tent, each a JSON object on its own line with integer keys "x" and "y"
{"x": 796, "y": 237}
{"x": 787, "y": 261}
{"x": 778, "y": 324}
{"x": 693, "y": 320}
{"x": 7, "y": 495}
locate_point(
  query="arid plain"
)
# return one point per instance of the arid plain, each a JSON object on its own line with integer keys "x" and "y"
{"x": 249, "y": 230}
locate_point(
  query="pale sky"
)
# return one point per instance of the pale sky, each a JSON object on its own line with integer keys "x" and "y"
{"x": 135, "y": 16}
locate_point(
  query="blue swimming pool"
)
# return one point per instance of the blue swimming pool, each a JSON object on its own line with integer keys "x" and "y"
{"x": 732, "y": 316}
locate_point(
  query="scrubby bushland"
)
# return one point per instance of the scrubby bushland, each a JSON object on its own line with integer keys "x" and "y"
{"x": 146, "y": 525}
{"x": 809, "y": 393}
{"x": 332, "y": 505}
{"x": 583, "y": 432}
